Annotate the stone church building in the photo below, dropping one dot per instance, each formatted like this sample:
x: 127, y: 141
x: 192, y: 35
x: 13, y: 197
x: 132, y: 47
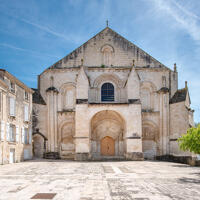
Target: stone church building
x: 109, y: 99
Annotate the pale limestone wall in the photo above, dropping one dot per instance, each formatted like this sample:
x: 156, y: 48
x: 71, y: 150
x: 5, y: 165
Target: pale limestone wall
x: 151, y: 134
x: 179, y: 123
x: 98, y: 76
x: 148, y: 78
x: 126, y: 111
x: 120, y: 52
x: 108, y: 58
x: 40, y: 113
x: 61, y: 77
x: 66, y: 133
x: 21, y: 151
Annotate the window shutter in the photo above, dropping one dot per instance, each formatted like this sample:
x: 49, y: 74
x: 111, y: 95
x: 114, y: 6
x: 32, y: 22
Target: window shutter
x: 30, y: 136
x: 25, y: 113
x: 12, y: 107
x: 8, y: 132
x: 23, y: 135
x: 2, y: 130
x: 17, y: 133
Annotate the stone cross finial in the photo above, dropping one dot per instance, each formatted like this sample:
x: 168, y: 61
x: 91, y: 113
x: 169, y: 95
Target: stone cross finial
x: 81, y: 61
x: 174, y: 67
x: 106, y: 23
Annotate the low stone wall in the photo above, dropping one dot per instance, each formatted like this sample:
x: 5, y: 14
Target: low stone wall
x: 179, y: 159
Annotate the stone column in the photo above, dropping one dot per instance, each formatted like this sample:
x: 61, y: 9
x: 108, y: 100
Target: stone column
x: 56, y: 121
x: 52, y: 94
x: 164, y: 121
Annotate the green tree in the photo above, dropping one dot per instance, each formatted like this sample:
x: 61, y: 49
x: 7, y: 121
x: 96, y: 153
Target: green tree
x: 191, y: 140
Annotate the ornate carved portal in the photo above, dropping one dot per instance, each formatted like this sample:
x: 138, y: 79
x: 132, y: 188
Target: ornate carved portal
x: 107, y: 129
x: 107, y: 146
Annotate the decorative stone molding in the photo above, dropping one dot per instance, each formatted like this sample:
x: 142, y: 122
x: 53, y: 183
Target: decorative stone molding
x: 81, y: 101
x: 52, y: 89
x: 110, y: 78
x: 134, y: 101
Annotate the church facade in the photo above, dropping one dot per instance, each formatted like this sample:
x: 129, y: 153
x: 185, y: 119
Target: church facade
x: 109, y: 99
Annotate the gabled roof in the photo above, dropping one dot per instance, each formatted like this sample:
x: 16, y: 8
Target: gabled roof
x: 37, y: 98
x: 127, y: 45
x: 179, y: 96
x: 11, y: 77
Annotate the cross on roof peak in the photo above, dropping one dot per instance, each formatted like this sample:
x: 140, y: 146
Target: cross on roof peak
x: 106, y: 23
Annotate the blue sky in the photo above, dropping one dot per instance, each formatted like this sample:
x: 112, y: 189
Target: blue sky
x: 35, y: 34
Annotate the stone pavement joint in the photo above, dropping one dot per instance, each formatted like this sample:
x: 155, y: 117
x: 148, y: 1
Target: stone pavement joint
x: 72, y: 180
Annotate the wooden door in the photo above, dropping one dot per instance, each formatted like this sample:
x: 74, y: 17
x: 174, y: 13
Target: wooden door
x: 108, y: 146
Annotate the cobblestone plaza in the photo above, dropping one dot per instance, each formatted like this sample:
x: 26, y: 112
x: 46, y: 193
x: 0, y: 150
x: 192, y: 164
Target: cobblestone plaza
x: 70, y: 180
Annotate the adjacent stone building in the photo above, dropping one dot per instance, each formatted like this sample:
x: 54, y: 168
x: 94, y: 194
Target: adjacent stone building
x: 15, y: 119
x: 109, y: 99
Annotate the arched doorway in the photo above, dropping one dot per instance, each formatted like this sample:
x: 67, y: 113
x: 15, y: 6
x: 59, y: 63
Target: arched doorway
x: 150, y: 139
x: 39, y: 144
x: 107, y: 146
x: 107, y: 134
x: 67, y: 146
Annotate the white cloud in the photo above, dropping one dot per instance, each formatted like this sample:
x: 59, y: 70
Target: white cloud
x: 183, y: 18
x: 26, y: 50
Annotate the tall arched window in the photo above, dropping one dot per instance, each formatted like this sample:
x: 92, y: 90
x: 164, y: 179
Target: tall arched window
x: 107, y: 53
x: 107, y: 92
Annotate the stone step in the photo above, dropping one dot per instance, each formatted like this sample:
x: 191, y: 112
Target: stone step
x: 67, y: 156
x: 108, y: 158
x: 51, y: 155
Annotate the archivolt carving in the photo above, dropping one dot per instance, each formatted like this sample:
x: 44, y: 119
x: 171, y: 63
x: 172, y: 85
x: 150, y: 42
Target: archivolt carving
x: 67, y: 136
x: 66, y: 85
x: 150, y: 131
x: 149, y: 85
x: 147, y: 94
x: 107, y: 54
x: 107, y: 123
x: 108, y: 78
x: 107, y: 47
x: 67, y: 95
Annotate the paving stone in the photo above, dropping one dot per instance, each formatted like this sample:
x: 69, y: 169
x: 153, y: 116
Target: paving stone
x: 72, y: 180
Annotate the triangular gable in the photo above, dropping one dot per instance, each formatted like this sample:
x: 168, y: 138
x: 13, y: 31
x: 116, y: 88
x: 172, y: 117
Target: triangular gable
x: 124, y: 52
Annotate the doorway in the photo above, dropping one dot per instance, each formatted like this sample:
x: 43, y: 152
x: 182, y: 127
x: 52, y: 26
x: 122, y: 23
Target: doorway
x: 107, y: 146
x: 12, y: 156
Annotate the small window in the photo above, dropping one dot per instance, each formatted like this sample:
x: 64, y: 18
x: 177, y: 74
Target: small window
x: 12, y: 87
x: 107, y: 92
x: 164, y: 81
x: 26, y: 118
x: 26, y: 96
x: 12, y: 107
x: 25, y: 135
x: 12, y: 133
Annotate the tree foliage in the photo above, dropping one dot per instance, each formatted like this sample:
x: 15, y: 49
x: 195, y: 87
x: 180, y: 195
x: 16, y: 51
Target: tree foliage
x: 191, y: 140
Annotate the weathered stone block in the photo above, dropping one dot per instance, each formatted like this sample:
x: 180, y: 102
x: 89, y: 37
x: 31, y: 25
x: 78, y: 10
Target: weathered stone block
x: 134, y: 156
